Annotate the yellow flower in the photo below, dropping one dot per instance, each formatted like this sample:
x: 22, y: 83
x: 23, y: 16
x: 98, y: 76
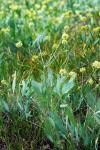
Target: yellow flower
x: 90, y: 81
x: 34, y: 58
x: 30, y: 24
x: 96, y: 64
x: 14, y: 75
x: 65, y: 36
x: 55, y: 46
x: 72, y: 73
x: 5, y: 30
x: 66, y: 27
x: 19, y: 44
x: 64, y: 42
x: 89, y: 15
x: 82, y: 69
x: 68, y: 13
x: 62, y: 72
x: 3, y: 82
x: 47, y: 38
x: 83, y: 19
x: 84, y: 27
x: 37, y: 6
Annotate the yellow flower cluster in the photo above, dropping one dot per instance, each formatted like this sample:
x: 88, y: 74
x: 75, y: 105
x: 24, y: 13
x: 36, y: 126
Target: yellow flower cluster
x: 47, y: 38
x: 55, y: 46
x: 14, y: 75
x: 84, y: 27
x: 62, y: 72
x: 82, y: 69
x: 72, y: 73
x: 90, y: 81
x: 3, y: 82
x: 19, y: 44
x: 83, y: 19
x: 64, y: 38
x: 5, y: 30
x: 96, y: 64
x: 66, y: 27
x: 30, y: 24
x: 34, y: 58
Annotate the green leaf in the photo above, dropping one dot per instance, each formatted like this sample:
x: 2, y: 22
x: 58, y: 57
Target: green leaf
x: 59, y: 124
x: 57, y: 88
x: 37, y: 86
x: 12, y: 24
x: 97, y: 118
x: 97, y: 41
x: 5, y: 105
x: 68, y: 86
x: 71, y: 116
x: 49, y: 130
x: 50, y: 77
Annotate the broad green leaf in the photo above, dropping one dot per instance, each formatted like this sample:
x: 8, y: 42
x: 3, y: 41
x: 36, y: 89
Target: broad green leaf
x: 59, y: 124
x: 57, y: 88
x: 49, y: 130
x: 5, y: 105
x: 68, y: 86
x: 71, y: 116
x: 37, y: 85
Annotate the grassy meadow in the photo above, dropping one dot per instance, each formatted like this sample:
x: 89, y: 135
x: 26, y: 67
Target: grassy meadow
x: 49, y: 75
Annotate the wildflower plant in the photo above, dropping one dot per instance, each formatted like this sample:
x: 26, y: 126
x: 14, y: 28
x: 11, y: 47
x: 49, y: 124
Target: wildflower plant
x: 50, y: 74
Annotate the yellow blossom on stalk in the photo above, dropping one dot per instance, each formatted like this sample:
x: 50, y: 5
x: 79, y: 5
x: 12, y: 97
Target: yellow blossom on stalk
x: 62, y: 72
x: 19, y: 44
x: 64, y: 42
x: 96, y: 64
x: 35, y: 58
x: 5, y: 30
x: 78, y: 12
x: 89, y: 15
x: 30, y: 24
x: 3, y: 82
x: 90, y: 81
x: 14, y: 75
x: 83, y: 19
x: 68, y: 13
x: 47, y: 38
x: 82, y: 69
x: 84, y: 27
x: 37, y: 6
x: 66, y: 27
x: 72, y: 73
x: 65, y: 36
x: 55, y: 46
